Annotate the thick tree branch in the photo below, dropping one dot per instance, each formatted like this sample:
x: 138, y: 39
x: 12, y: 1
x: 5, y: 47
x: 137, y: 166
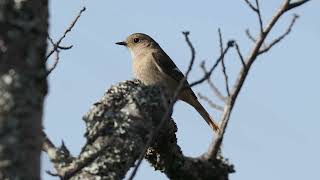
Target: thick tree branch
x: 118, y: 128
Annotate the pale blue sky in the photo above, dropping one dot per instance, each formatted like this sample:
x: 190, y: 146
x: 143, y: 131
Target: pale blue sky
x: 274, y: 128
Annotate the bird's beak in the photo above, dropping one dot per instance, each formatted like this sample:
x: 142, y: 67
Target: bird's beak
x: 122, y: 43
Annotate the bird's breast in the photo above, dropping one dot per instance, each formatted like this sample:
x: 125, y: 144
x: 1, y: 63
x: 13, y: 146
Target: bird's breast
x: 146, y: 71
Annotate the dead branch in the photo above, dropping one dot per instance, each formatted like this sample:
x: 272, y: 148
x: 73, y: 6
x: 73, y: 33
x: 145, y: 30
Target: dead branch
x: 240, y: 55
x: 257, y: 10
x: 226, y: 78
x: 57, y: 47
x: 247, y: 31
x: 215, y: 89
x: 278, y: 39
x: 209, y: 73
x: 215, y: 146
x: 211, y: 103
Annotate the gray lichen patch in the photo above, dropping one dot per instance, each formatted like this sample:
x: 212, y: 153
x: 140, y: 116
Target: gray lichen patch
x: 118, y: 125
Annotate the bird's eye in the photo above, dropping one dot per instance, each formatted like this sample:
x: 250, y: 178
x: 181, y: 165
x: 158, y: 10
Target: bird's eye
x: 136, y: 40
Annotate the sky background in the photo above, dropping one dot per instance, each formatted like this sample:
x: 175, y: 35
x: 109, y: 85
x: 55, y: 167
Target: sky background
x: 274, y: 128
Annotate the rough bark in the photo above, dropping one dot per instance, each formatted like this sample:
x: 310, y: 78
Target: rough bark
x: 23, y: 86
x: 166, y: 156
x: 118, y: 127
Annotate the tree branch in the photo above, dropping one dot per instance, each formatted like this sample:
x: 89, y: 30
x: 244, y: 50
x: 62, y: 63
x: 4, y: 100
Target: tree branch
x: 278, y: 39
x: 211, y: 103
x: 129, y: 113
x: 215, y: 146
x: 215, y: 90
x: 57, y: 47
x: 208, y: 74
x: 240, y: 55
x: 226, y: 78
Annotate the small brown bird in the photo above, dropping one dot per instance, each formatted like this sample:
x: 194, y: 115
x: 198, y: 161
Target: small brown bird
x: 153, y: 66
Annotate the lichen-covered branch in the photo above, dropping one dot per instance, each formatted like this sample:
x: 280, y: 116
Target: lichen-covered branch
x: 166, y: 156
x: 118, y: 128
x: 23, y: 86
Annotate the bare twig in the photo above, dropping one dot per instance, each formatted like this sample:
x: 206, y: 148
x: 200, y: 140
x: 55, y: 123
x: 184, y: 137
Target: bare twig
x: 211, y: 103
x: 256, y: 9
x: 169, y: 110
x: 215, y: 90
x: 277, y: 40
x: 215, y: 146
x: 55, y: 62
x: 251, y: 5
x: 240, y: 54
x: 57, y: 44
x: 250, y: 36
x: 259, y: 16
x: 208, y: 74
x: 226, y: 78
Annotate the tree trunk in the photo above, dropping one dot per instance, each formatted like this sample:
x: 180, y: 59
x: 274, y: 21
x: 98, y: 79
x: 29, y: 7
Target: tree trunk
x: 23, y: 86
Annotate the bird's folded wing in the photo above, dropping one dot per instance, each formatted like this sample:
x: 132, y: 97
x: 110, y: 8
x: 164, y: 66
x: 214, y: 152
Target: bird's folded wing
x: 167, y: 66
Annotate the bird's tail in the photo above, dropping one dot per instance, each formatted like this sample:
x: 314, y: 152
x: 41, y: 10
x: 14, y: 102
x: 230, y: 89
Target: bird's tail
x: 205, y: 115
x: 190, y: 98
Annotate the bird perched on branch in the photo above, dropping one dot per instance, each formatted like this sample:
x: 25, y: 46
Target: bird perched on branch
x: 153, y: 66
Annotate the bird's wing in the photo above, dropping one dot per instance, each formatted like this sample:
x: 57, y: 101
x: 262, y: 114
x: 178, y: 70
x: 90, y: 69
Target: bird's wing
x: 167, y: 66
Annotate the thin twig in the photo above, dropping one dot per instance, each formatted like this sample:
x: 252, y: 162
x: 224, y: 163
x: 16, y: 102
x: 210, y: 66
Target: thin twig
x: 256, y: 9
x: 259, y: 16
x: 251, y: 5
x: 169, y: 110
x: 277, y: 40
x: 57, y: 44
x: 208, y: 74
x: 226, y: 78
x: 55, y: 62
x: 250, y: 36
x: 211, y: 103
x: 240, y: 54
x: 215, y: 90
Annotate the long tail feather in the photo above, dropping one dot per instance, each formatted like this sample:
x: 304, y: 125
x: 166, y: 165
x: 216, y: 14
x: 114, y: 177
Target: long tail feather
x: 189, y: 97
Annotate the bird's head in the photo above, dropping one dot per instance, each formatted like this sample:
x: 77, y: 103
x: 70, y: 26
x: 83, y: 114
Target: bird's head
x: 138, y: 43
